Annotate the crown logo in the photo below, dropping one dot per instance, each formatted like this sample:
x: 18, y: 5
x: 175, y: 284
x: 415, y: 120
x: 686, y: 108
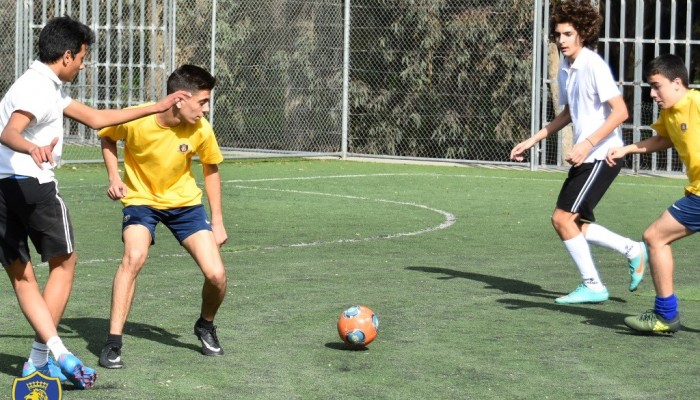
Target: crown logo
x: 37, y: 385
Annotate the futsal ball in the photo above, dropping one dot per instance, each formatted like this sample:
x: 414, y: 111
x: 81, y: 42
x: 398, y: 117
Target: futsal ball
x: 358, y: 326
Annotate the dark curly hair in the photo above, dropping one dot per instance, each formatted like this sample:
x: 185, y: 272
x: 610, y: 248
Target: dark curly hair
x: 582, y: 15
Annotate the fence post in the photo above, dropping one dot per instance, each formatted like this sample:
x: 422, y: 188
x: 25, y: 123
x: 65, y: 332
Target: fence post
x: 346, y: 81
x: 536, y: 99
x: 212, y: 62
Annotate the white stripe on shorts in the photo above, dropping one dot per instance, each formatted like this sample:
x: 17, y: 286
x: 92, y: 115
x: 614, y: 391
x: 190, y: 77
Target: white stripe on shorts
x: 66, y: 224
x: 598, y: 165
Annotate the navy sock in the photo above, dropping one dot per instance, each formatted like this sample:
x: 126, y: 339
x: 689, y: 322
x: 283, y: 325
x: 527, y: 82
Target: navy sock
x: 666, y: 307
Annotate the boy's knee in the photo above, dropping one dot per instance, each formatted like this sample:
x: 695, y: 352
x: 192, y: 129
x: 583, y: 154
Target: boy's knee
x: 134, y: 260
x: 217, y: 278
x: 649, y: 236
x: 559, y: 221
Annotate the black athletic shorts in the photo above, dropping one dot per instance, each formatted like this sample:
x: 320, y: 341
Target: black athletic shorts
x: 585, y: 186
x: 30, y: 210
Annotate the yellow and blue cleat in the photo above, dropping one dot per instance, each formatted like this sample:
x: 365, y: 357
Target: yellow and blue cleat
x: 651, y: 322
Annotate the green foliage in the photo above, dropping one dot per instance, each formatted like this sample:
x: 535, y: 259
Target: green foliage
x: 439, y: 78
x: 280, y: 63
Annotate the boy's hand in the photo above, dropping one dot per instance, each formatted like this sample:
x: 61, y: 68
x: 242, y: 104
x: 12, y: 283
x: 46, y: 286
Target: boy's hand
x: 578, y: 153
x: 116, y: 190
x: 170, y: 100
x: 519, y: 150
x: 613, y: 154
x: 43, y: 154
x: 220, y: 235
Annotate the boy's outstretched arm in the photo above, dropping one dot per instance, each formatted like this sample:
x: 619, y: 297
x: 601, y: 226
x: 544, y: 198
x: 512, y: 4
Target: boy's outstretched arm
x: 98, y: 119
x: 650, y: 145
x: 560, y: 121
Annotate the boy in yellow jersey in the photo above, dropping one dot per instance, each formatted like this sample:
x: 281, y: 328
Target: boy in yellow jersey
x: 159, y: 187
x: 677, y: 126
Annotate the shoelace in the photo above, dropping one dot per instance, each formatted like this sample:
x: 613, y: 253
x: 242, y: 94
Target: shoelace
x: 648, y: 315
x: 213, y: 333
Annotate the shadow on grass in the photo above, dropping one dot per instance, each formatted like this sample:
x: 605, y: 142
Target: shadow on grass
x: 94, y: 331
x: 11, y: 364
x: 343, y: 346
x: 505, y: 285
x: 592, y: 315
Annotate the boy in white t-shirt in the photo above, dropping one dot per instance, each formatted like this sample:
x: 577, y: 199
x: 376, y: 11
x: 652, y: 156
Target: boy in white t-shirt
x: 592, y: 102
x: 31, y: 139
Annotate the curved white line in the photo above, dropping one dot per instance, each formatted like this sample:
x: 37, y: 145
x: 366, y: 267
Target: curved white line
x: 450, y: 219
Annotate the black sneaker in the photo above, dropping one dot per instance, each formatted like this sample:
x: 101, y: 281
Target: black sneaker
x: 210, y: 343
x: 111, y: 357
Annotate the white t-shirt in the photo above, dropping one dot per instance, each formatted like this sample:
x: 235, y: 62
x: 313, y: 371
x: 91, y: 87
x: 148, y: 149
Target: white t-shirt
x: 586, y: 86
x: 39, y: 92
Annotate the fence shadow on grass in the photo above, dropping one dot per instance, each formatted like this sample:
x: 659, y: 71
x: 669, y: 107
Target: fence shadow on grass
x: 95, y: 330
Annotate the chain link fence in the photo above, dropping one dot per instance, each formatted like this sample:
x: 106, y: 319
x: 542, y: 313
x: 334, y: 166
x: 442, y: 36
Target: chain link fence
x: 458, y: 80
x: 430, y: 79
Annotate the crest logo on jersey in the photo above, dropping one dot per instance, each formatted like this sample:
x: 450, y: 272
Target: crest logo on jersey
x: 36, y: 386
x: 183, y: 148
x: 684, y: 127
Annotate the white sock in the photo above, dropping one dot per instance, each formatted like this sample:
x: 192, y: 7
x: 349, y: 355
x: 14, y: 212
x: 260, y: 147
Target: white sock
x: 581, y: 254
x: 601, y: 236
x: 39, y: 354
x: 56, y: 346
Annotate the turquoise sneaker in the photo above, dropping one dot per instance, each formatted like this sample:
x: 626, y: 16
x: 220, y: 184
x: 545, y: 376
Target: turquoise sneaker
x: 80, y: 375
x: 583, y: 294
x: 637, y: 266
x: 50, y: 369
x: 651, y: 322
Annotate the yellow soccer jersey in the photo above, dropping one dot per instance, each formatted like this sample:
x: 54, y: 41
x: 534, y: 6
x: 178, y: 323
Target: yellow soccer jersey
x: 681, y: 124
x: 158, y: 160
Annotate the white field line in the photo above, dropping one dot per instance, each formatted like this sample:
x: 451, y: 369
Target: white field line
x: 450, y: 219
x: 409, y: 174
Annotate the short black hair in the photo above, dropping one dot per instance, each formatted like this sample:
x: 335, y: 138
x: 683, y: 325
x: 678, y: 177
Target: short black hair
x: 670, y: 66
x: 190, y: 78
x: 63, y: 34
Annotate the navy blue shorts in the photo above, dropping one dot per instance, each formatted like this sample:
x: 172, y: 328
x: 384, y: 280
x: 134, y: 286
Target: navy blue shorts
x: 687, y: 212
x: 182, y: 221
